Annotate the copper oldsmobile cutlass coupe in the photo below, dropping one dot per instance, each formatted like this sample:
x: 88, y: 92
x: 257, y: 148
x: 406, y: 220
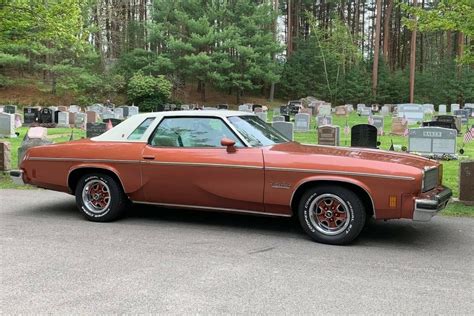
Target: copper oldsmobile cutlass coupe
x: 234, y: 162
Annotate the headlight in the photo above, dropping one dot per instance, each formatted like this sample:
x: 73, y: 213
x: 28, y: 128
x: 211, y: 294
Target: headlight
x: 430, y: 179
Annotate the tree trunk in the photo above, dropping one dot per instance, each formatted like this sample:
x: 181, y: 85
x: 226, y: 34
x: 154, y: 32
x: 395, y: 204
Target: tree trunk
x: 387, y: 30
x: 413, y: 60
x: 289, y: 32
x: 375, y: 66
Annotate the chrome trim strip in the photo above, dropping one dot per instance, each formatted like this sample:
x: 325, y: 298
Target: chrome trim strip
x: 83, y: 160
x: 201, y: 164
x: 361, y: 174
x: 211, y: 208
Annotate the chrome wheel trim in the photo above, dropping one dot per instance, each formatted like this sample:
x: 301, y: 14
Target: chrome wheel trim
x: 329, y: 214
x: 96, y: 196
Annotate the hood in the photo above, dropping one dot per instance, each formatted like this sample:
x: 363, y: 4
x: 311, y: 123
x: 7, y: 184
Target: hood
x: 356, y: 153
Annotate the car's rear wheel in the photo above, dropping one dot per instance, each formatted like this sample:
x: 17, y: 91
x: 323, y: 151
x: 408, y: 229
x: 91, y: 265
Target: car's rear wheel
x: 331, y: 214
x: 100, y: 198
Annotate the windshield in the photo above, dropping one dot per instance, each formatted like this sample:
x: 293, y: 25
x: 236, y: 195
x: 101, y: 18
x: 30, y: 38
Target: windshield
x: 256, y: 132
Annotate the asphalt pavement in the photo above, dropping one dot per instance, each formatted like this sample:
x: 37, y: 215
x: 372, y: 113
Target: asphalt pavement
x: 184, y: 262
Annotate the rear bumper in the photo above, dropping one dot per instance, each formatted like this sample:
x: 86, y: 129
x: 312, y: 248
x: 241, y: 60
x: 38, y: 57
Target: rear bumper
x: 17, y: 177
x: 426, y: 208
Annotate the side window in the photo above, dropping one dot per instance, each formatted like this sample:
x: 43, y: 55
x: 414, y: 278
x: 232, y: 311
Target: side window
x: 140, y: 130
x: 192, y: 132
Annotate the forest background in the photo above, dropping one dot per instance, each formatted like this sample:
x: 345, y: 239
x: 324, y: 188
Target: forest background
x: 150, y: 52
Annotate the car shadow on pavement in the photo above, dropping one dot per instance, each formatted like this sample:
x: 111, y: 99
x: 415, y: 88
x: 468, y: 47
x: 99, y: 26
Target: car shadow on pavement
x: 394, y: 233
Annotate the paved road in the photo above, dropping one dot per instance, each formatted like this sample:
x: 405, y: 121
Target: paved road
x: 177, y: 262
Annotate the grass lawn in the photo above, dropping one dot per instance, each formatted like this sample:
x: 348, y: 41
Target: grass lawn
x: 450, y: 168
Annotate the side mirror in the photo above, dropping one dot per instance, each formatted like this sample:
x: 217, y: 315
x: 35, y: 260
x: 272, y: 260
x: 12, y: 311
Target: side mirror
x: 229, y: 143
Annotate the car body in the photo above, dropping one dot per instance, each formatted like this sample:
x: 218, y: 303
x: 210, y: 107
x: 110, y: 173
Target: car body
x: 173, y: 159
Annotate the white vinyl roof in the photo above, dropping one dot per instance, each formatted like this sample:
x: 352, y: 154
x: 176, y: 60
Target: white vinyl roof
x: 121, y: 132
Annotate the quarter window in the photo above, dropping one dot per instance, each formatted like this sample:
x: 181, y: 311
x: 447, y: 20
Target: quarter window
x: 141, y: 129
x: 192, y: 132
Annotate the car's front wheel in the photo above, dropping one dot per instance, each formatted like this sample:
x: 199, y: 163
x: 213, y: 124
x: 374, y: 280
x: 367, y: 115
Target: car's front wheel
x: 100, y: 198
x: 331, y: 214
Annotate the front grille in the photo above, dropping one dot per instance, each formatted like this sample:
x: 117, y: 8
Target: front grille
x: 430, y: 180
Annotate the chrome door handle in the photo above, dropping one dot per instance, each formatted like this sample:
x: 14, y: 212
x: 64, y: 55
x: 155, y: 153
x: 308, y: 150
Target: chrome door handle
x: 149, y: 157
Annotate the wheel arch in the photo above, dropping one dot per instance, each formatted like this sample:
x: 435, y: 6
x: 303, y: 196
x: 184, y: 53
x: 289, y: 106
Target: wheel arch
x: 359, y: 188
x: 77, y: 172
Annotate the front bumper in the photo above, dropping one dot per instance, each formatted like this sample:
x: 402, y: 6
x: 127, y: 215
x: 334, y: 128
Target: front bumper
x: 426, y: 208
x: 17, y: 177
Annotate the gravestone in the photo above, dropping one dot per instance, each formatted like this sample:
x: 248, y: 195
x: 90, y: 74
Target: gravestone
x: 258, y: 110
x: 184, y: 107
x: 118, y: 113
x: 30, y: 115
x: 45, y: 116
x: 364, y: 135
x: 276, y: 111
x: 428, y: 109
x: 463, y: 114
x: 366, y: 111
x: 255, y: 107
x: 308, y: 111
x: 245, y: 108
x: 107, y: 114
x: 454, y: 107
x: 72, y: 118
x: 92, y: 116
x: 278, y: 118
x: 412, y: 112
x: 7, y: 125
x: 114, y: 121
x: 451, y: 119
x: 95, y: 129
x: 399, y: 126
x: 55, y: 116
x: 222, y: 107
x: 5, y: 156
x: 375, y: 108
x: 471, y: 107
x: 53, y: 108
x: 442, y: 109
x: 466, y: 182
x: 328, y: 135
x: 62, y: 108
x: 378, y: 122
x: 324, y: 120
x: 324, y: 109
x: 385, y: 111
x: 18, y: 122
x: 341, y: 110
x: 450, y: 125
x: 285, y: 128
x: 284, y: 110
x: 36, y: 136
x: 125, y: 110
x: 10, y: 109
x: 74, y: 108
x: 360, y: 107
x: 350, y: 108
x: 37, y: 132
x: 469, y: 111
x: 302, y: 121
x: 432, y: 140
x: 262, y: 116
x: 133, y: 110
x: 99, y: 108
x: 80, y: 120
x: 63, y: 119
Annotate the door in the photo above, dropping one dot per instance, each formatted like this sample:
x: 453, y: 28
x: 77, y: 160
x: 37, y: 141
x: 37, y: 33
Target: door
x: 185, y: 164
